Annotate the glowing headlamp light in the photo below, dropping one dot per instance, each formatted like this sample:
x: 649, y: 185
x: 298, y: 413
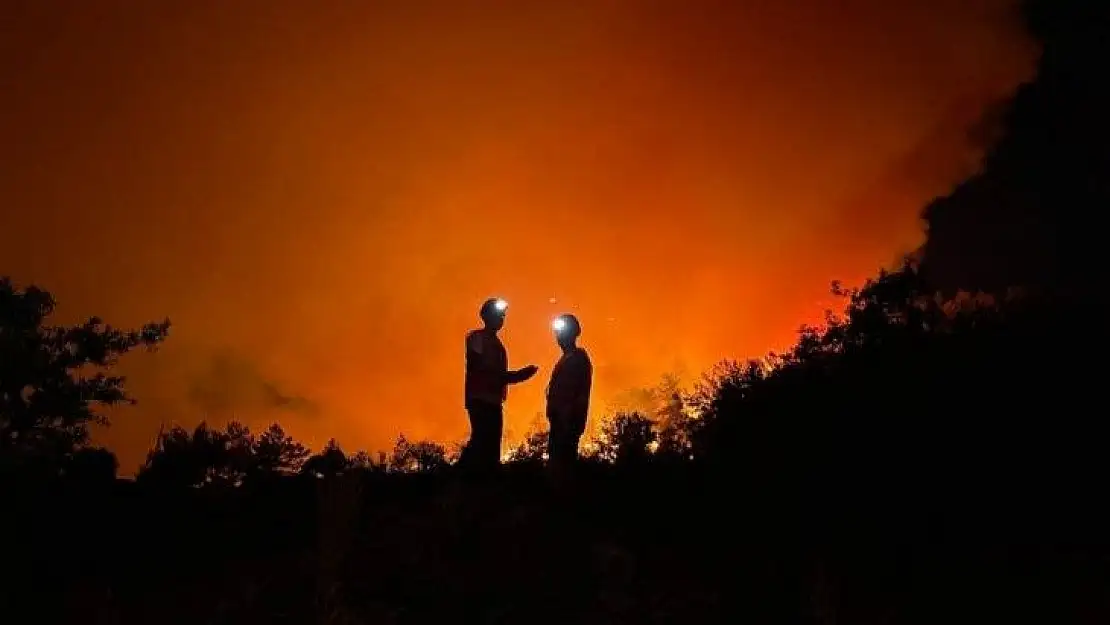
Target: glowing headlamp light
x: 500, y: 305
x: 559, y: 324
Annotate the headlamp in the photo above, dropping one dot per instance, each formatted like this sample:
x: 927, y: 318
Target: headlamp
x: 559, y: 324
x: 500, y: 305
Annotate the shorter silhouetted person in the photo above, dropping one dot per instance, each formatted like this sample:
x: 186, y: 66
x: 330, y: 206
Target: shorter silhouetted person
x: 568, y: 398
x: 487, y: 380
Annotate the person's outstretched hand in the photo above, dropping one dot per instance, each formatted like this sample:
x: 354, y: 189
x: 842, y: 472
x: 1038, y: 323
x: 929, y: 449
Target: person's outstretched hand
x: 529, y: 371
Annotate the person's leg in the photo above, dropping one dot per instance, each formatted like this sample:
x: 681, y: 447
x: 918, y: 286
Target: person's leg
x: 495, y: 421
x: 483, y: 451
x: 466, y: 457
x: 574, y: 439
x: 554, y: 442
x: 561, y: 452
x: 473, y: 454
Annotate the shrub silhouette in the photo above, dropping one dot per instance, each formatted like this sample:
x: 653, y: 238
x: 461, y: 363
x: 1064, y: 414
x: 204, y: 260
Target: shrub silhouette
x: 225, y: 457
x: 203, y: 457
x: 417, y: 457
x: 532, y: 450
x: 92, y: 466
x: 627, y: 439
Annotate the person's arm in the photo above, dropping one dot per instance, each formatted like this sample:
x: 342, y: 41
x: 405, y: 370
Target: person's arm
x: 583, y: 380
x: 580, y: 407
x: 476, y: 361
x: 520, y: 375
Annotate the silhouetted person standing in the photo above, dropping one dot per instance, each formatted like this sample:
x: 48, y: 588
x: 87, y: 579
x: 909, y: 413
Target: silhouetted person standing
x: 568, y: 397
x: 487, y: 380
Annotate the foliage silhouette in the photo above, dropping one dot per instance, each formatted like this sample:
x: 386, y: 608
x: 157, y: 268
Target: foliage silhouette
x: 275, y: 452
x: 362, y: 460
x: 417, y: 457
x: 52, y: 378
x: 92, y: 466
x: 233, y: 457
x: 627, y: 439
x: 205, y: 456
x: 328, y: 462
x: 531, y: 450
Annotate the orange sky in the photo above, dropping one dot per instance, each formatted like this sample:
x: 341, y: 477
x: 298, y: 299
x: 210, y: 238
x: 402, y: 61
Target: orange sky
x: 319, y: 194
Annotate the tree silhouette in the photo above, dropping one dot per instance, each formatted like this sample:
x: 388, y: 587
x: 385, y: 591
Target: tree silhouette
x: 52, y: 378
x: 418, y: 457
x: 329, y: 461
x: 92, y: 465
x: 531, y: 450
x: 205, y: 457
x: 627, y: 438
x: 362, y: 460
x: 672, y: 420
x: 275, y: 452
x: 903, y: 392
x: 665, y: 405
x: 239, y: 459
x: 175, y: 460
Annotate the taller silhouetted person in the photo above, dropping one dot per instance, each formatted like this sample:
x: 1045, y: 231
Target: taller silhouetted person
x: 487, y: 380
x: 568, y: 397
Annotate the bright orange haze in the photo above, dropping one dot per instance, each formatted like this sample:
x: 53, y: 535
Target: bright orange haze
x: 320, y: 194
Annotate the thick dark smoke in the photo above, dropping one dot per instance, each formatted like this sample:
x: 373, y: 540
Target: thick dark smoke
x: 231, y: 386
x: 1023, y: 220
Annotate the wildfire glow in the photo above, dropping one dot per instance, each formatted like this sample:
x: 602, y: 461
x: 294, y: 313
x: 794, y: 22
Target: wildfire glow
x: 327, y: 192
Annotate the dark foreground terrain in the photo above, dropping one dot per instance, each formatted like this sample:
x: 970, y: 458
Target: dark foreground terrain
x: 657, y: 544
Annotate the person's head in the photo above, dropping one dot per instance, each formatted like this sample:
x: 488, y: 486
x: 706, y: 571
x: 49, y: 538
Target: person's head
x: 492, y: 313
x: 567, y: 329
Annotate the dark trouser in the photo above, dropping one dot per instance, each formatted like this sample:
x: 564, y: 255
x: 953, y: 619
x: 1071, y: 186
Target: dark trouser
x: 483, y: 451
x: 562, y: 445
